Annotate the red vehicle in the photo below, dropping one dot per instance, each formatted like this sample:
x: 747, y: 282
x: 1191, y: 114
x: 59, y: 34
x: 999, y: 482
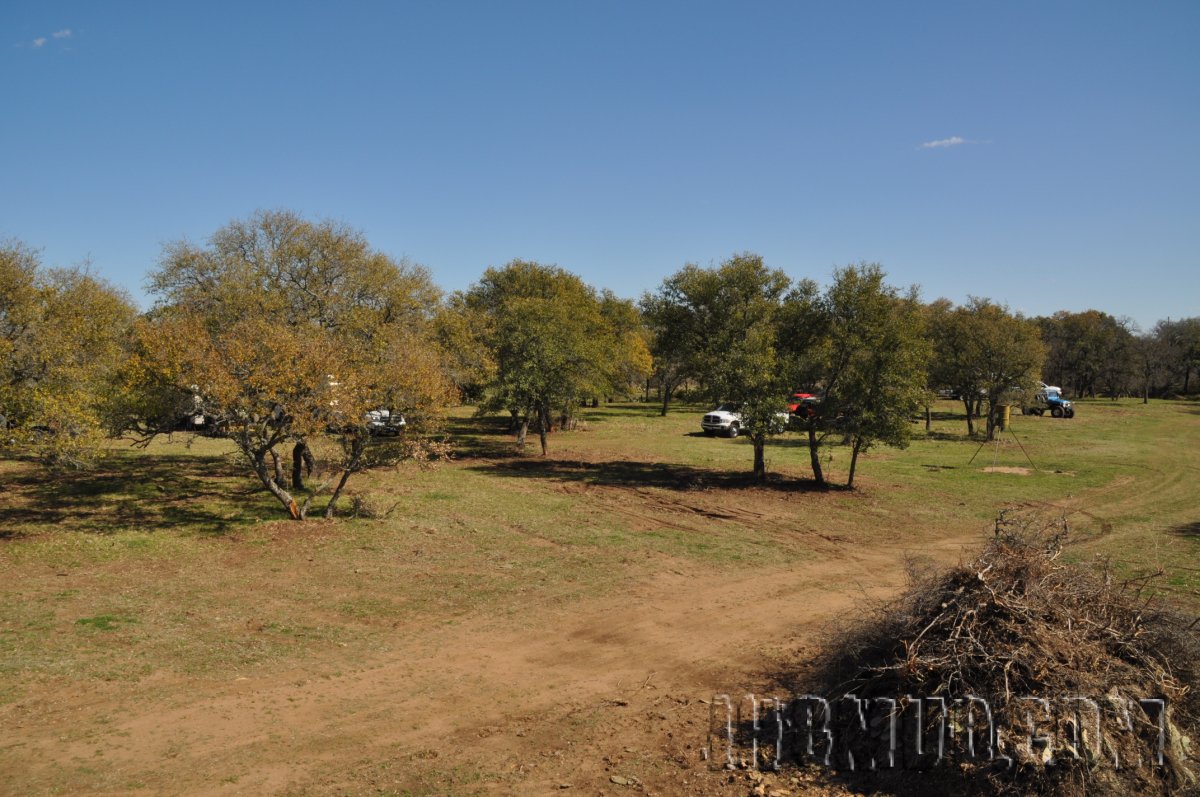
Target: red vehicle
x: 803, y: 405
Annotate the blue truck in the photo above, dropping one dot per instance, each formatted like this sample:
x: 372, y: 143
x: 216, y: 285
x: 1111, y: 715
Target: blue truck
x: 1049, y: 398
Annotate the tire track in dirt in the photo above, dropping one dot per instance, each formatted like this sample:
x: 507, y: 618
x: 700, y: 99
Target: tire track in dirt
x: 652, y: 505
x: 463, y: 694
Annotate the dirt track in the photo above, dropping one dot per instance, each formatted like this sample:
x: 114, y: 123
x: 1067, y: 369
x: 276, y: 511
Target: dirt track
x: 591, y: 690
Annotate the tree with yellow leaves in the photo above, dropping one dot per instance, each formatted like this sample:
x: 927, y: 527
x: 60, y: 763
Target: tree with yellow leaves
x: 63, y: 334
x: 283, y: 330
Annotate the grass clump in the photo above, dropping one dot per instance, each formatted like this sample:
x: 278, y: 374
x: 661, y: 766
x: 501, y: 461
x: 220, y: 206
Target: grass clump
x: 104, y: 622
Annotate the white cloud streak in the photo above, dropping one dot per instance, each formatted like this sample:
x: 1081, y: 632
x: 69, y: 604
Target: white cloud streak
x: 953, y: 141
x: 42, y: 41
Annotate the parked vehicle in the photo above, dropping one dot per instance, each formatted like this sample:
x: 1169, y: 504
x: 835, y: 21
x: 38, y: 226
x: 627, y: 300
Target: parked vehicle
x: 1050, y: 397
x: 727, y: 419
x: 953, y: 394
x: 385, y: 423
x: 803, y: 405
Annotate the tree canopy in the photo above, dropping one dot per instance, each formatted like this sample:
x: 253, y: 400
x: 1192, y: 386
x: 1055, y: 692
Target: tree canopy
x: 984, y: 352
x: 63, y: 334
x: 552, y: 342
x: 737, y: 354
x: 861, y: 345
x: 281, y: 330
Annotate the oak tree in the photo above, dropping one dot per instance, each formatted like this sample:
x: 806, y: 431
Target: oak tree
x: 63, y: 337
x: 553, y: 342
x: 283, y: 330
x: 733, y: 333
x: 861, y: 343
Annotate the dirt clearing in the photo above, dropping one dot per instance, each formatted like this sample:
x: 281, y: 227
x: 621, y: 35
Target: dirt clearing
x: 515, y: 625
x: 611, y: 686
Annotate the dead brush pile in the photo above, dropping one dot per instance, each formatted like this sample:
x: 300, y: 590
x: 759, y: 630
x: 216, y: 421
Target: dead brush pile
x: 1019, y: 673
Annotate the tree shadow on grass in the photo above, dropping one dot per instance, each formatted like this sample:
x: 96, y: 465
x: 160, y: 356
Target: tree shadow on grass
x: 622, y: 473
x: 490, y: 436
x: 959, y: 437
x: 482, y: 437
x: 134, y: 491
x: 635, y: 409
x: 941, y: 415
x: 1189, y: 530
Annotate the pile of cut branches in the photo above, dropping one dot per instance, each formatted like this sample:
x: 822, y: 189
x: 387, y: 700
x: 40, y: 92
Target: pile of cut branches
x: 1087, y: 680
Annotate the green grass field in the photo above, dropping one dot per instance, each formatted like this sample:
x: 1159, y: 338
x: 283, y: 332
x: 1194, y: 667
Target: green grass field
x: 178, y: 545
x: 168, y: 566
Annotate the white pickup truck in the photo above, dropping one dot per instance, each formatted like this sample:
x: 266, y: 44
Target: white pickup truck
x: 726, y: 419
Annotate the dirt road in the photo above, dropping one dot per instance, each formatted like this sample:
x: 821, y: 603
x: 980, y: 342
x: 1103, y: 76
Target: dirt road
x: 580, y: 694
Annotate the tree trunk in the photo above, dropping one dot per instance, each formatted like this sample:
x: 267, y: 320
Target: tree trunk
x: 760, y: 465
x: 356, y: 451
x: 853, y: 462
x: 515, y: 422
x: 278, y: 463
x: 928, y: 419
x: 302, y: 460
x: 970, y: 419
x: 991, y: 422
x: 543, y: 427
x: 666, y: 396
x: 337, y: 493
x: 814, y: 452
x: 259, y: 462
x: 522, y: 430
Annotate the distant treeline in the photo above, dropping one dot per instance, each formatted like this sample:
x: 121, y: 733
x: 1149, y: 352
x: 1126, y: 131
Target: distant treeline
x: 1095, y: 354
x: 279, y: 330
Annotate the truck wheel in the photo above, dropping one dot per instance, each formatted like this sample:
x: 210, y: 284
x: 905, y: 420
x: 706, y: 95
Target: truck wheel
x: 1069, y: 413
x: 1057, y: 412
x: 733, y: 430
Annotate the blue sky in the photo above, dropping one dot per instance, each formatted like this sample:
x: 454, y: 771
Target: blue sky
x: 623, y: 139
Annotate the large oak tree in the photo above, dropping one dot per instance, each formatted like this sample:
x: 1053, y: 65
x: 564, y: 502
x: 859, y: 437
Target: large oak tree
x: 281, y: 330
x: 861, y: 344
x: 552, y: 342
x: 721, y: 324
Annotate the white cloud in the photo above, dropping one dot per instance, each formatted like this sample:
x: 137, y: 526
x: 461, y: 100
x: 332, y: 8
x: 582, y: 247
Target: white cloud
x: 39, y: 41
x: 65, y: 33
x: 953, y: 141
